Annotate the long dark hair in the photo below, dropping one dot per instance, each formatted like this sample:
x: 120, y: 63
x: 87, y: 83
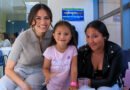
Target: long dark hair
x: 69, y: 26
x: 34, y: 11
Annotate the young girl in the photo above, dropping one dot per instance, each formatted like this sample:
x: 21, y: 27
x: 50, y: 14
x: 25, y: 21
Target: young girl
x: 60, y: 59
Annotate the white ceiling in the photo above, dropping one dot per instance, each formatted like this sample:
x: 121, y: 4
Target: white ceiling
x: 16, y: 9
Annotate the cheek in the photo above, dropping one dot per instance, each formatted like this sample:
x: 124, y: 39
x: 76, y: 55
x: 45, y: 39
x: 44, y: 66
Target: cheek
x: 49, y: 22
x: 33, y: 22
x: 88, y: 40
x: 100, y: 42
x: 69, y: 38
x: 54, y: 36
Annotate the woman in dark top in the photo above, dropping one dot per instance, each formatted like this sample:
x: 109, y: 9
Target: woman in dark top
x: 100, y: 60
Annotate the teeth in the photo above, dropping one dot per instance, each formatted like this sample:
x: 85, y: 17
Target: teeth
x: 42, y: 26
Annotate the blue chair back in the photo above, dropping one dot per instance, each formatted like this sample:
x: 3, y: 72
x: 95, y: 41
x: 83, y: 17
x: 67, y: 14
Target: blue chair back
x: 2, y: 61
x: 126, y: 59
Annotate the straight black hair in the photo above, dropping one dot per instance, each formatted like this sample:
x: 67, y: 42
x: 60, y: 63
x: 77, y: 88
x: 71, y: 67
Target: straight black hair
x: 100, y: 27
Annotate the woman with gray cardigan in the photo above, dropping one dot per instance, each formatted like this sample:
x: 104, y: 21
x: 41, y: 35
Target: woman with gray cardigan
x: 23, y: 70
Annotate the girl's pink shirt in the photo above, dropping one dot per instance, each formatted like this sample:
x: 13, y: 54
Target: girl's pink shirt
x: 60, y: 67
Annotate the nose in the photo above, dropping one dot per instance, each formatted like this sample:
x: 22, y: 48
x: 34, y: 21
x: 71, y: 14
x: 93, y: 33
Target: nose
x: 62, y: 36
x: 42, y: 21
x: 90, y: 40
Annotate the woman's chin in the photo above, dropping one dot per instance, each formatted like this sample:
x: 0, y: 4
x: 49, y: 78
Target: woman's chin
x: 93, y: 48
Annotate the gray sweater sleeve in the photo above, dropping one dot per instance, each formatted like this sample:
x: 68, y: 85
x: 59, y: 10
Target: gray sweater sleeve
x: 16, y: 50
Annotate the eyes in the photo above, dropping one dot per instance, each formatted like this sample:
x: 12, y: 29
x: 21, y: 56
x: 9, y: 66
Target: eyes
x: 65, y: 34
x: 38, y: 18
x: 92, y: 36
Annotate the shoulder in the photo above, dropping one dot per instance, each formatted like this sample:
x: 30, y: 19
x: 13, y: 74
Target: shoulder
x: 112, y: 48
x: 25, y: 34
x: 84, y: 51
x: 50, y: 48
x: 49, y: 51
x: 72, y: 47
x: 84, y: 48
x: 6, y: 40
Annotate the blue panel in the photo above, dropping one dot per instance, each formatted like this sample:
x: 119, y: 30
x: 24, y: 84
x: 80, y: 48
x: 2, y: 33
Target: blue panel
x: 73, y: 14
x: 126, y: 25
x: 16, y: 26
x: 96, y: 9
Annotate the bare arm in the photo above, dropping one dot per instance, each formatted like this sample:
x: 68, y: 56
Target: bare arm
x: 46, y: 69
x: 9, y: 71
x: 74, y: 72
x: 74, y: 69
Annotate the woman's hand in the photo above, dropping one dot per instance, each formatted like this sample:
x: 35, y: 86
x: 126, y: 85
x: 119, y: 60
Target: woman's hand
x: 73, y: 88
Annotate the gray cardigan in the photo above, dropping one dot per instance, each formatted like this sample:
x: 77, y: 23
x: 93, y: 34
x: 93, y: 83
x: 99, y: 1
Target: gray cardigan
x: 26, y: 50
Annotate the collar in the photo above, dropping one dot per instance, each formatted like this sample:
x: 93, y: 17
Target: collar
x: 32, y: 35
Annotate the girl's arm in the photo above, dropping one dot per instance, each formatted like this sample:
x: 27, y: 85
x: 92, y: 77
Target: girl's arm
x: 46, y: 69
x: 9, y: 71
x: 74, y: 70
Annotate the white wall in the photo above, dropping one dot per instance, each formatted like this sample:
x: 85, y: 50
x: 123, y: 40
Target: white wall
x: 57, y: 5
x: 114, y: 29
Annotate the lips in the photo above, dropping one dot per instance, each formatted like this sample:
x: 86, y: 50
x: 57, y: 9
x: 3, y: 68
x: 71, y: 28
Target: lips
x: 92, y: 45
x: 62, y: 40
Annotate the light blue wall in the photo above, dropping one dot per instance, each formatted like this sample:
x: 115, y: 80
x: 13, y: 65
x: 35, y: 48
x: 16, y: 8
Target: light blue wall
x: 96, y: 9
x: 126, y: 26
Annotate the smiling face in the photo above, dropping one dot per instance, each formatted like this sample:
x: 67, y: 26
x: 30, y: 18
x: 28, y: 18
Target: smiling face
x: 94, y: 39
x: 62, y: 36
x: 42, y: 21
